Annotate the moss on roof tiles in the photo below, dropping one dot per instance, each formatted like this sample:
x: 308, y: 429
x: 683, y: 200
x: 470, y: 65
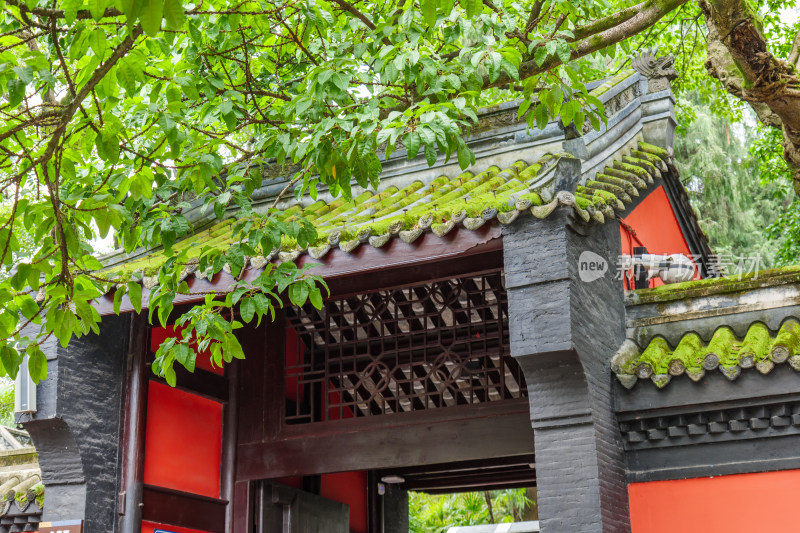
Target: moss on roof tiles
x: 469, y: 200
x: 613, y: 82
x: 759, y: 348
x: 708, y: 286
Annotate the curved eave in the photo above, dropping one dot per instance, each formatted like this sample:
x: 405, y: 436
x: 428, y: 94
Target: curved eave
x: 338, y: 264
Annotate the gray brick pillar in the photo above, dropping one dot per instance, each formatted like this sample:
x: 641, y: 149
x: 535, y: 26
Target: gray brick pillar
x: 76, y: 428
x: 563, y: 333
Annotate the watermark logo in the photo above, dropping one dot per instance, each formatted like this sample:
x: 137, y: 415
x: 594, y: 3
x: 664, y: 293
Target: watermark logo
x: 591, y: 266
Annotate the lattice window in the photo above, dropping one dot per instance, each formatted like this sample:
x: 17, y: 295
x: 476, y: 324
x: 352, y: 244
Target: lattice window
x: 427, y: 346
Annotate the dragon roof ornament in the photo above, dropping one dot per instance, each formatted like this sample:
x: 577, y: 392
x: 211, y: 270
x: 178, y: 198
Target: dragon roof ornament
x: 659, y: 71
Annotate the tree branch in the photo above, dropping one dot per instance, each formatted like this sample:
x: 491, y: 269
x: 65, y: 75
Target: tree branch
x: 794, y: 55
x: 648, y: 14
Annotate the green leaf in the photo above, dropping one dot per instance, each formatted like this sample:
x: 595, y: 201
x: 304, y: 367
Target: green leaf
x: 151, y: 15
x: 230, y: 121
x: 97, y: 8
x: 563, y: 51
x: 430, y: 154
x: 540, y: 55
x: 28, y: 307
x: 185, y: 355
x: 174, y: 14
x: 412, y: 141
x: 37, y: 363
x: 118, y: 294
x: 71, y: 10
x: 429, y: 9
x: 232, y: 347
x: 567, y: 112
x: 11, y: 360
x: 16, y: 92
x: 315, y: 297
x: 298, y: 293
x: 523, y: 107
x: 247, y: 308
x: 98, y: 41
x: 472, y: 7
x: 135, y: 295
x: 465, y: 156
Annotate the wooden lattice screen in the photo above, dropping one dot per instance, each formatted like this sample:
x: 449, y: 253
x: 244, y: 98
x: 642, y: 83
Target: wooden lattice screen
x: 427, y: 346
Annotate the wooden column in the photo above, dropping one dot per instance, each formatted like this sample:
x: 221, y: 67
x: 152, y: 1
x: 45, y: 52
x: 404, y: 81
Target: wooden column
x: 229, y: 430
x: 133, y: 437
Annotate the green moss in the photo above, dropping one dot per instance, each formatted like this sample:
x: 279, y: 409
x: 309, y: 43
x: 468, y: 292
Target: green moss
x: 688, y: 352
x: 656, y: 355
x: 533, y: 197
x: 631, y: 177
x: 595, y: 187
x: 637, y: 171
x: 691, y: 289
x: 653, y: 149
x: 723, y: 346
x: 788, y: 337
x: 625, y: 185
x: 582, y: 200
x: 613, y: 82
x: 653, y: 159
x: 642, y: 163
x: 38, y: 491
x: 756, y: 343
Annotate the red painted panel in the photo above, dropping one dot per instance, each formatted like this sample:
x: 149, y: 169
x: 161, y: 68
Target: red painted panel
x: 203, y: 361
x: 655, y: 227
x: 349, y: 488
x: 150, y: 527
x: 745, y: 503
x: 183, y: 441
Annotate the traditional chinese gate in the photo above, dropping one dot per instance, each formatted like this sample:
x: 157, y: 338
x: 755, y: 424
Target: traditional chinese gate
x: 409, y: 381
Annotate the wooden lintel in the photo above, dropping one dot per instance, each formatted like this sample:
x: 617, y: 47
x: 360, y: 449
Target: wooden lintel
x: 182, y: 509
x: 451, y: 434
x: 200, y: 382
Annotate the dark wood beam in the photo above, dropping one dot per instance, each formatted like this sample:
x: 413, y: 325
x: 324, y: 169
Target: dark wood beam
x: 518, y: 461
x: 183, y: 509
x: 133, y: 433
x: 244, y: 507
x: 473, y: 482
x: 450, y: 434
x: 480, y: 488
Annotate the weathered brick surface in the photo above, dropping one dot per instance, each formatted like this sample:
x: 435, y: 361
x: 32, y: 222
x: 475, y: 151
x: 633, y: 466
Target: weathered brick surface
x: 563, y: 332
x: 77, y: 427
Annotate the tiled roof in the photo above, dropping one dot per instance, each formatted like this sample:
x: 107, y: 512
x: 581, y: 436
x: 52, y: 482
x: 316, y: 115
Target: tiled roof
x: 469, y: 200
x: 21, y: 489
x: 760, y: 348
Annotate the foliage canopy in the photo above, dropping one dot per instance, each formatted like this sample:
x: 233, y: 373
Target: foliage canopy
x: 117, y: 112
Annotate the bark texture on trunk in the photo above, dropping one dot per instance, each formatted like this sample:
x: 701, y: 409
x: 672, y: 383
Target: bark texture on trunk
x: 739, y: 58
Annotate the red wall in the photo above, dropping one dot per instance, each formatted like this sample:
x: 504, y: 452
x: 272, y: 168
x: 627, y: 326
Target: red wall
x: 349, y: 488
x: 745, y: 503
x: 655, y: 227
x: 183, y: 441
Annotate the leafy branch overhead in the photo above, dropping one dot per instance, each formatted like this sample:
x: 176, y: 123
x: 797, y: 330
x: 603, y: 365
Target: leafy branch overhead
x: 117, y: 113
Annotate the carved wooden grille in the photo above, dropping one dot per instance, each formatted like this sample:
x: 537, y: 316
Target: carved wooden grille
x: 427, y: 346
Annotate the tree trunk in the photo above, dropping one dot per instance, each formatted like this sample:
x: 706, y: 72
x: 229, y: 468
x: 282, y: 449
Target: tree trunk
x: 738, y: 57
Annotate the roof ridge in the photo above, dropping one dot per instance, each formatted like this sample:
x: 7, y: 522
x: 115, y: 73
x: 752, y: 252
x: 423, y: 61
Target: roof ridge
x: 443, y: 204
